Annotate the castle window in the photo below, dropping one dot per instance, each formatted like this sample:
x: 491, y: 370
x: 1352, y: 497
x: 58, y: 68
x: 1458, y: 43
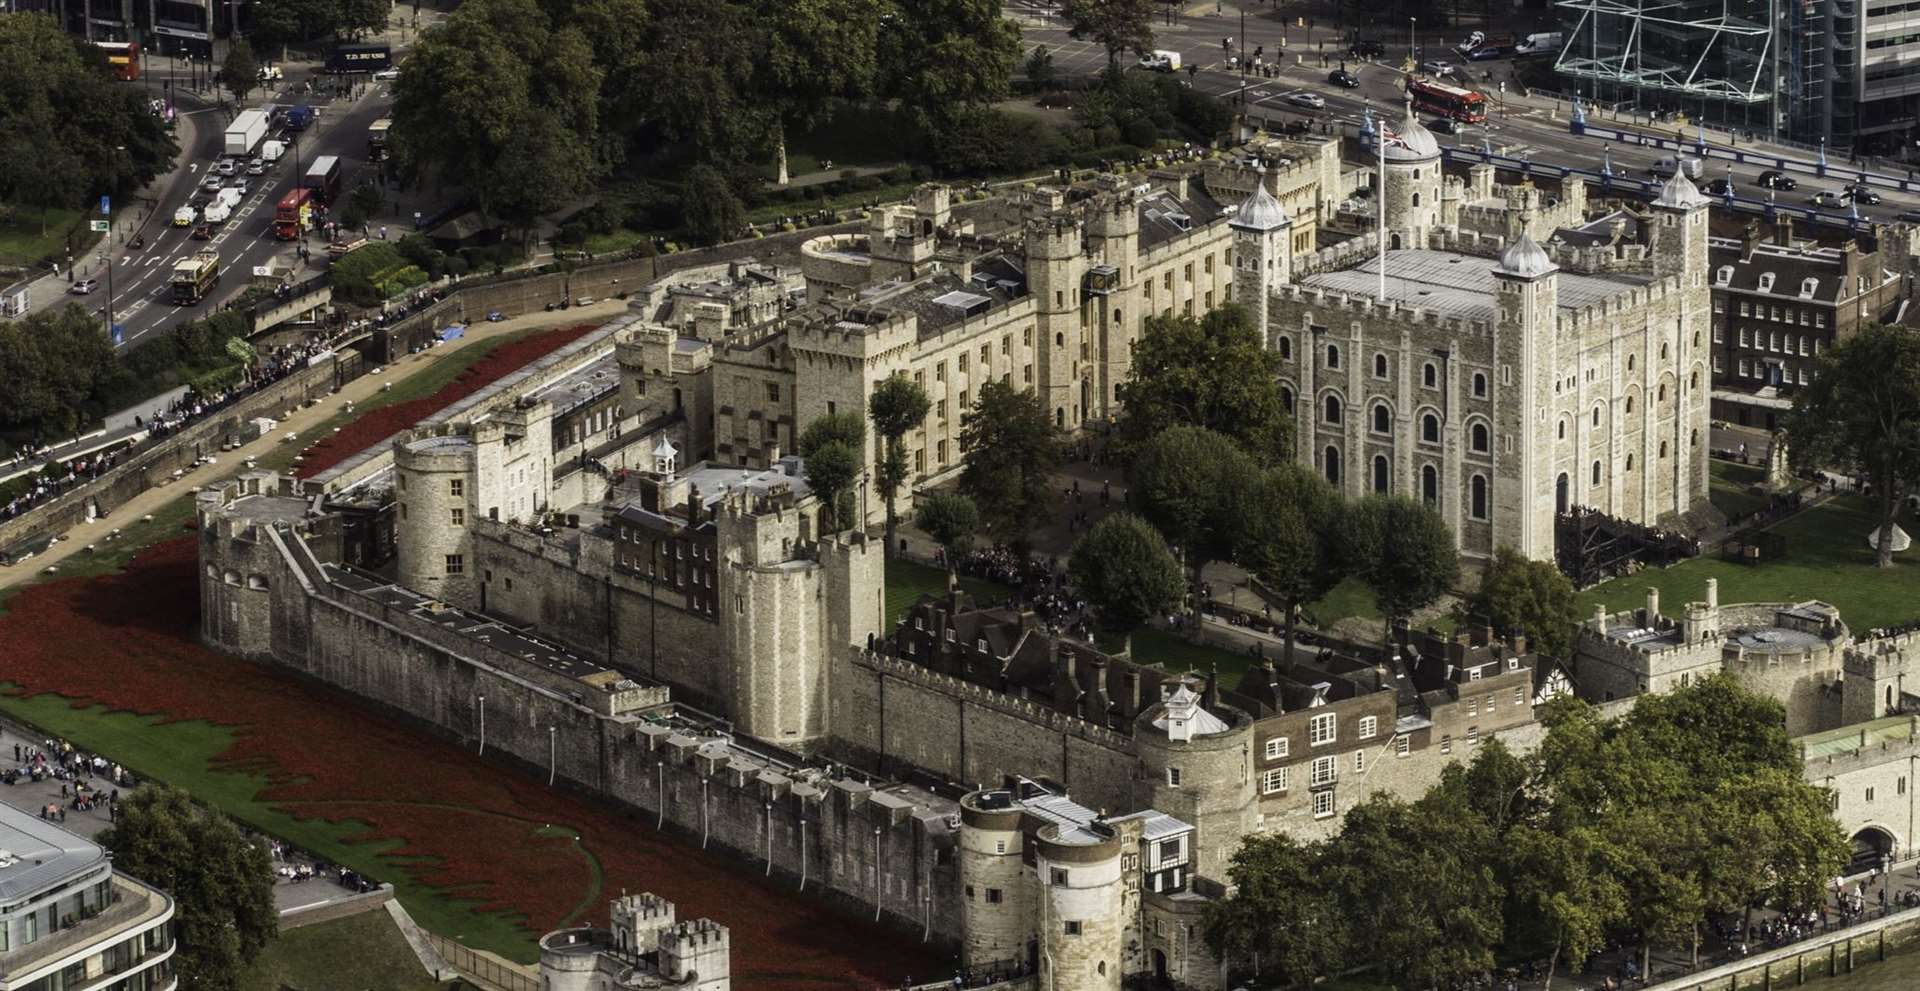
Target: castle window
x: 458, y: 516
x: 1693, y: 439
x: 1331, y: 463
x: 993, y: 894
x: 1430, y: 376
x: 1173, y: 777
x: 1416, y: 199
x: 456, y: 564
x: 1332, y: 411
x: 1430, y: 428
x: 1403, y: 745
x: 1286, y: 348
x: 1059, y: 339
x: 1596, y: 416
x: 1333, y: 356
x: 1693, y: 380
x: 1479, y: 385
x: 1379, y: 366
x: 1276, y: 747
x: 1072, y: 927
x: 940, y: 410
x: 1629, y: 404
x: 1629, y: 362
x: 1430, y: 485
x: 1477, y: 497
x: 1629, y: 462
x: 1359, y: 762
x: 1324, y: 772
x: 456, y: 486
x: 1058, y: 877
x: 1596, y: 473
x: 1723, y: 275
x: 1382, y: 419
x: 1380, y: 473
x: 1562, y: 429
x: 1519, y: 695
x: 1286, y: 398
x: 1663, y: 449
x: 1481, y: 441
x: 1869, y: 794
x: 1274, y: 781
x: 1369, y: 725
x: 1322, y: 729
x: 1322, y: 804
x: 1446, y: 743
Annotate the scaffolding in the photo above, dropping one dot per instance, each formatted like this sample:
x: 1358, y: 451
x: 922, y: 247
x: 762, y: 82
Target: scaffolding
x: 1707, y: 55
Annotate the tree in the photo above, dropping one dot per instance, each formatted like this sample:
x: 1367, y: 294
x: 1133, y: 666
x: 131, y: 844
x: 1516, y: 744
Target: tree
x: 713, y: 212
x: 368, y: 197
x: 1012, y: 450
x: 71, y: 131
x: 1287, y: 539
x: 1562, y: 893
x: 1123, y: 567
x: 1519, y: 593
x: 898, y: 405
x: 1862, y: 415
x: 1118, y: 25
x: 52, y: 362
x: 221, y: 883
x: 1188, y: 482
x: 1405, y: 554
x: 950, y: 519
x: 1281, y: 912
x: 1214, y: 371
x: 943, y: 59
x: 707, y: 50
x: 814, y: 56
x: 831, y: 447
x: 240, y: 73
x: 1040, y: 71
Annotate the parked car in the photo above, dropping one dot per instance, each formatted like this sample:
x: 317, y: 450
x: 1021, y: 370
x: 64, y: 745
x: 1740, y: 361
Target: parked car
x: 256, y: 167
x: 1771, y: 179
x: 1343, y: 79
x: 1311, y: 100
x: 1720, y: 187
x: 1826, y: 199
x: 1437, y: 67
x: 1443, y: 125
x: 83, y: 287
x: 240, y: 183
x: 212, y: 182
x: 1862, y: 194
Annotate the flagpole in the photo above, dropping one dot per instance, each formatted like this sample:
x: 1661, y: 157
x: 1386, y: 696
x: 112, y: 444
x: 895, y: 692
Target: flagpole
x: 1380, y: 146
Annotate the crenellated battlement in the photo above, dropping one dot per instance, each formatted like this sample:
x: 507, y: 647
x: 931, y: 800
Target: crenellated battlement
x: 1376, y: 313
x: 1343, y: 255
x: 859, y: 333
x: 980, y: 695
x: 1882, y: 656
x: 1627, y: 303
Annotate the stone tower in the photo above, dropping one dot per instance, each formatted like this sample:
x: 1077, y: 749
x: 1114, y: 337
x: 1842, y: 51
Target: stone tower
x: 1081, y: 924
x: 838, y: 363
x: 696, y: 954
x: 1529, y: 486
x: 1096, y: 355
x: 1678, y: 356
x: 638, y: 920
x: 1875, y: 676
x: 996, y: 911
x: 1197, y: 766
x: 1056, y: 268
x: 1413, y: 182
x: 433, y: 472
x: 1262, y: 251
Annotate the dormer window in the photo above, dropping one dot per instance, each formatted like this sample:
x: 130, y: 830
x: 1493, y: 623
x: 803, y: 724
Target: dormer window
x: 1766, y: 282
x: 980, y: 645
x: 1723, y: 275
x: 949, y: 636
x: 1808, y: 287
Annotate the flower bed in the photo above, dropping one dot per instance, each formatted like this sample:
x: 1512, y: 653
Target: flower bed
x: 377, y: 425
x: 465, y: 826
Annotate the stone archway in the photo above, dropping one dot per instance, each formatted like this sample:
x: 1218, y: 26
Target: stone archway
x: 1872, y: 847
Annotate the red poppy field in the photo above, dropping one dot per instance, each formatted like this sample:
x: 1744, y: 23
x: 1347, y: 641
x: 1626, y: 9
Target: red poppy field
x: 442, y: 818
x: 377, y: 425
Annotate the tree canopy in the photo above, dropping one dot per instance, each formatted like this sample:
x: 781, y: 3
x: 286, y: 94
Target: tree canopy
x: 832, y: 447
x: 221, y: 882
x: 1213, y: 371
x: 1288, y: 538
x: 1123, y: 567
x: 1862, y: 415
x: 1012, y: 449
x: 1189, y: 482
x: 1517, y: 592
x: 950, y: 519
x: 1116, y: 25
x: 898, y: 405
x: 1402, y: 550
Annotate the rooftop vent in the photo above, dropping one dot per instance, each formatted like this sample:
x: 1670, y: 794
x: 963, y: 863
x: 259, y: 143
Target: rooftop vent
x: 965, y: 303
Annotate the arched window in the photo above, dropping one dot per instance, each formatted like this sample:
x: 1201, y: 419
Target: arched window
x: 1693, y: 440
x: 1380, y: 474
x: 1430, y: 429
x: 1596, y: 473
x: 1629, y: 404
x: 1430, y: 376
x: 1331, y: 462
x: 1332, y: 413
x: 1693, y: 380
x: 1059, y: 339
x: 1477, y: 497
x: 1380, y: 366
x: 1596, y: 416
x: 1059, y: 416
x: 1629, y: 462
x: 1479, y: 385
x: 1416, y: 199
x: 1430, y: 485
x: 1333, y: 356
x: 1663, y: 351
x: 1482, y: 439
x: 1663, y: 449
x: 1286, y: 348
x: 1382, y: 419
x: 1286, y: 397
x: 1629, y: 362
x: 1660, y: 393
x: 1563, y: 429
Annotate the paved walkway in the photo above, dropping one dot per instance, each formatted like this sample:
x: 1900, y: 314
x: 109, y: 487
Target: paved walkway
x: 229, y: 463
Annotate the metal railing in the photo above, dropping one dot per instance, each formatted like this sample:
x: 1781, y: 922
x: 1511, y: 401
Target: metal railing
x: 480, y: 968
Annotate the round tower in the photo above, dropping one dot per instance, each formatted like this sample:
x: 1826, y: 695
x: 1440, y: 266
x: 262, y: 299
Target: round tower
x: 996, y: 908
x: 1197, y: 767
x: 433, y: 474
x: 1082, y: 923
x: 1412, y: 182
x: 569, y: 958
x: 1262, y: 250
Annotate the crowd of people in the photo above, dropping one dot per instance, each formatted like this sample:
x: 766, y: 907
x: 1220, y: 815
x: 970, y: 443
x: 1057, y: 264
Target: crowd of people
x: 77, y: 771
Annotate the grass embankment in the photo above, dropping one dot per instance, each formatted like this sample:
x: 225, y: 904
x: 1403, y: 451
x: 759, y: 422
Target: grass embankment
x: 351, y: 954
x: 1827, y: 557
x: 1729, y: 487
x: 29, y: 234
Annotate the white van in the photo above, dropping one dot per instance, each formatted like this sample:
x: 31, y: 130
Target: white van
x: 228, y: 197
x: 217, y: 212
x: 186, y: 216
x: 1664, y: 168
x: 1161, y: 61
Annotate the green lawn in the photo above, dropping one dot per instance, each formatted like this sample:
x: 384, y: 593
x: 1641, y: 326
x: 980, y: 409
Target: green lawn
x: 182, y: 754
x: 1351, y: 599
x: 907, y: 581
x: 848, y: 201
x: 1827, y: 558
x: 1728, y: 487
x: 23, y: 244
x: 1177, y: 656
x: 351, y: 954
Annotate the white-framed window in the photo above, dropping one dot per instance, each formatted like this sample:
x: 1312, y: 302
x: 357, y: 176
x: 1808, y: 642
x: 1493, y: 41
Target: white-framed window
x: 1473, y: 736
x: 1369, y: 725
x: 1473, y: 707
x: 1322, y: 804
x: 1276, y: 747
x: 1519, y: 695
x: 1320, y: 730
x: 1173, y: 776
x: 1359, y: 762
x: 1323, y: 772
x: 1403, y: 745
x: 1274, y: 781
x: 1746, y: 368
x: 1446, y: 743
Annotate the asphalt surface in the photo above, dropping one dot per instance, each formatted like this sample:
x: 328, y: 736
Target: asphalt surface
x: 1527, y: 127
x: 142, y: 300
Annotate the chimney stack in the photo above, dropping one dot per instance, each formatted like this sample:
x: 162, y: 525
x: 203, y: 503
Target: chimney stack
x: 1713, y: 593
x: 1653, y: 608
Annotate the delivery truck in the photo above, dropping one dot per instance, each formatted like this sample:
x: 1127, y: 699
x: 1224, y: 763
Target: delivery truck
x: 244, y: 134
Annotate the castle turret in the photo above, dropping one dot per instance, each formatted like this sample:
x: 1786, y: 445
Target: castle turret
x: 996, y: 908
x: 1262, y: 251
x: 1055, y: 270
x: 697, y: 955
x: 1413, y: 182
x: 1196, y: 765
x: 1526, y: 298
x: 773, y: 631
x: 434, y: 481
x: 638, y: 920
x: 1080, y: 918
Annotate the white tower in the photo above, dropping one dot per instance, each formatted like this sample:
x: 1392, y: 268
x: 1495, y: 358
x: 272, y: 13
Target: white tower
x: 1412, y: 183
x: 1262, y: 250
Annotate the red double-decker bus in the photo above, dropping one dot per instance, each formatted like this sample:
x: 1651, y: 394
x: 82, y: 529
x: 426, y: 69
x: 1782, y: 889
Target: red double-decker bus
x: 123, y: 57
x: 294, y: 214
x: 1463, y: 105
